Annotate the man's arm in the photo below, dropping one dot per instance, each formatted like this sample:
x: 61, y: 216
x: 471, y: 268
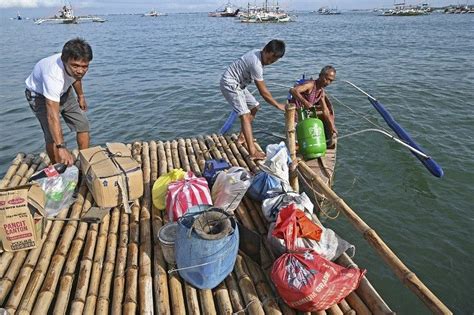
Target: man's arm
x: 54, y: 124
x: 302, y: 88
x: 327, y: 113
x: 267, y: 96
x: 77, y: 85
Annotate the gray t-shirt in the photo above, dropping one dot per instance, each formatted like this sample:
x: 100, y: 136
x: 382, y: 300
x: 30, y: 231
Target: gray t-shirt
x: 245, y: 70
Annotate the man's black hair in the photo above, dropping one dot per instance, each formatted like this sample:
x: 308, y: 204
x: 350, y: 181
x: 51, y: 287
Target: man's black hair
x: 76, y: 49
x: 275, y: 46
x: 327, y: 69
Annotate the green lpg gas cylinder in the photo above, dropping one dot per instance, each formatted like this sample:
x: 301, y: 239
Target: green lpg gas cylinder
x: 310, y: 135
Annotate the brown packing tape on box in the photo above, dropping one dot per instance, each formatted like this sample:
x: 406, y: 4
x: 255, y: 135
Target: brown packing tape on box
x: 22, y: 217
x: 112, y: 175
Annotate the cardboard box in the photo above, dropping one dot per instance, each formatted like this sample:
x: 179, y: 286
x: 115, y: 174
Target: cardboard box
x: 112, y: 175
x: 22, y: 217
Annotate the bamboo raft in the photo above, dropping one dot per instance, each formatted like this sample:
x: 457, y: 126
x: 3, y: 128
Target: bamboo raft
x: 117, y: 266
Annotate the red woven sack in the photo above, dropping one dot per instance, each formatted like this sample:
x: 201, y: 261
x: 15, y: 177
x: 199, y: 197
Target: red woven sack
x: 305, y: 280
x: 185, y: 193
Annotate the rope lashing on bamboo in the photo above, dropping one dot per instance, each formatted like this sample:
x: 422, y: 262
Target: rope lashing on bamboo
x: 317, y: 194
x: 264, y: 302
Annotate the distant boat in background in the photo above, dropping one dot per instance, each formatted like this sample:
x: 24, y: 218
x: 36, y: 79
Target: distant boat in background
x: 66, y: 16
x: 402, y: 9
x: 459, y: 9
x: 154, y: 13
x: 328, y: 11
x: 229, y: 10
x: 265, y: 14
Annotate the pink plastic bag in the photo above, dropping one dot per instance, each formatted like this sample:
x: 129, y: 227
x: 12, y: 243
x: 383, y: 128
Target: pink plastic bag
x: 185, y: 193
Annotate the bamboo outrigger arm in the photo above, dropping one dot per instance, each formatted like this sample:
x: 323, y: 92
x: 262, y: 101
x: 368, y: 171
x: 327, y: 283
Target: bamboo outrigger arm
x: 402, y: 272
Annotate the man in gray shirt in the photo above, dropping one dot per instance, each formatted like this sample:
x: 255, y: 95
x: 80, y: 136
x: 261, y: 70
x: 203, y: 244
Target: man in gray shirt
x: 234, y: 83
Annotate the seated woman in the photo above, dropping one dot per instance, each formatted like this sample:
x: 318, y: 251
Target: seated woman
x: 311, y: 93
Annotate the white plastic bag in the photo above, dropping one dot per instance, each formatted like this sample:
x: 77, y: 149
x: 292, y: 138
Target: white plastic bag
x: 58, y: 189
x: 330, y: 246
x: 277, y: 160
x: 271, y: 206
x: 230, y: 187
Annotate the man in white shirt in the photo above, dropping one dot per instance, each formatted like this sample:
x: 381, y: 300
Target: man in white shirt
x: 49, y: 93
x: 243, y: 72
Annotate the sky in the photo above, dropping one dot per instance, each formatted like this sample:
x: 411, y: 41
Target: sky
x: 176, y: 6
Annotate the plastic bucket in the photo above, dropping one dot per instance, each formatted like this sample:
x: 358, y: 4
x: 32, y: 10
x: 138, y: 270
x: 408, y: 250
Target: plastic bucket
x: 206, y: 256
x: 167, y: 237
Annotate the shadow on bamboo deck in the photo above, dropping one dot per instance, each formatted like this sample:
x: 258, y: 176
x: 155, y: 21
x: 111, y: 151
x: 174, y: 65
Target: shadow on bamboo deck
x: 117, y: 266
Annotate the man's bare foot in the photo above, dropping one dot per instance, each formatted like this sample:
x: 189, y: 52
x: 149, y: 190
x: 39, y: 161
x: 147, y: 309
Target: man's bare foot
x: 241, y: 139
x: 258, y: 156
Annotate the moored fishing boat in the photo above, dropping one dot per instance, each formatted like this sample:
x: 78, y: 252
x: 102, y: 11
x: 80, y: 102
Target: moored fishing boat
x: 228, y: 10
x: 66, y: 16
x: 118, y: 265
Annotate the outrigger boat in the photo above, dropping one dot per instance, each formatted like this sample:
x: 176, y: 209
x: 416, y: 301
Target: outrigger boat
x: 117, y: 265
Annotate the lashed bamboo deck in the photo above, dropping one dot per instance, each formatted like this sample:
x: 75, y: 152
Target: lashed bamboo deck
x: 117, y: 266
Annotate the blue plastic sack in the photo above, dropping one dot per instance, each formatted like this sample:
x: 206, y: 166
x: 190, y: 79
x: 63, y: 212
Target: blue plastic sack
x: 212, y: 167
x: 206, y: 262
x: 263, y: 186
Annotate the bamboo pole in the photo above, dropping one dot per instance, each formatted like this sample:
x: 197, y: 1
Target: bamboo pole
x: 169, y: 159
x: 221, y: 295
x: 160, y: 277
x: 41, y: 267
x: 182, y: 155
x: 12, y: 170
x: 207, y: 302
x: 201, y: 160
x: 204, y: 148
x: 82, y: 285
x: 192, y: 158
x: 264, y: 291
x: 291, y: 144
x: 48, y: 289
x: 69, y: 272
x: 236, y: 153
x: 399, y: 268
x: 357, y: 304
x: 245, y: 154
x: 228, y: 152
x: 102, y: 306
x: 39, y: 162
x: 212, y: 147
x: 346, y: 308
x: 220, y: 147
x: 120, y: 264
x: 175, y: 155
x: 153, y: 162
x: 97, y: 265
x: 366, y: 291
x: 247, y: 287
x: 22, y: 170
x: 162, y: 161
x: 130, y: 303
x: 254, y: 214
x: 145, y: 259
x: 234, y: 293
